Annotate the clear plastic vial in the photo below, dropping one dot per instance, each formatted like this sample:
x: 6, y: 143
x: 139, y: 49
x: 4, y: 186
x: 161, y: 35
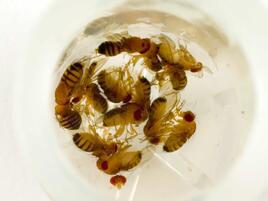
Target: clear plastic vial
x: 217, y: 98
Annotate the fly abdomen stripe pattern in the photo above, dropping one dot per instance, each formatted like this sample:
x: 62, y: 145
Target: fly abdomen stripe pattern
x: 147, y: 88
x: 73, y: 74
x: 72, y: 121
x: 83, y: 143
x: 76, y: 137
x: 110, y: 48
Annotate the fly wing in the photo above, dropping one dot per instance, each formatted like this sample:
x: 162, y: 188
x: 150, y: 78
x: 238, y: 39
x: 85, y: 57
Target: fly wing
x: 130, y: 159
x: 112, y: 84
x: 167, y: 49
x: 116, y: 37
x: 185, y: 58
x: 165, y: 39
x: 95, y: 98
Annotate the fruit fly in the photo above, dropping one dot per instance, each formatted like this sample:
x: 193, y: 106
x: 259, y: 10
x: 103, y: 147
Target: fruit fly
x: 181, y: 56
x: 94, y: 143
x: 118, y: 181
x: 162, y: 115
x: 95, y: 98
x: 181, y: 132
x: 129, y: 113
x: 132, y: 44
x: 114, y: 85
x: 85, y: 87
x: 129, y: 44
x: 187, y: 61
x: 67, y: 117
x: 70, y: 79
x: 122, y: 160
x: 73, y: 74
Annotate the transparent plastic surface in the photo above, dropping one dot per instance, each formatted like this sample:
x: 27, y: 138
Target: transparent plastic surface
x: 216, y: 98
x: 222, y: 100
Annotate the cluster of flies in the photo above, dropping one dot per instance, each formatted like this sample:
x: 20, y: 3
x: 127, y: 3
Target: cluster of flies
x: 87, y: 89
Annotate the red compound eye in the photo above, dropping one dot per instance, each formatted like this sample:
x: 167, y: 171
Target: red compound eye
x: 104, y: 165
x: 188, y: 116
x: 137, y: 114
x: 155, y: 140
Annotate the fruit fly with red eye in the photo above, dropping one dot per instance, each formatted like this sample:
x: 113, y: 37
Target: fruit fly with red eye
x: 162, y: 115
x: 69, y: 80
x: 130, y: 44
x: 146, y: 48
x: 180, y: 56
x: 181, y: 132
x: 93, y: 143
x: 122, y: 160
x: 67, y: 117
x: 129, y: 113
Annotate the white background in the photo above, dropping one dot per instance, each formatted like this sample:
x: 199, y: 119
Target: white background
x: 16, y: 180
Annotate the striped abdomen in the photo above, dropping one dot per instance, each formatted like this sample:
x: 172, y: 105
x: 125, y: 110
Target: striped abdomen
x: 68, y: 118
x: 142, y: 92
x: 93, y: 143
x: 69, y: 80
x: 85, y: 141
x: 146, y: 88
x: 73, y: 75
x: 110, y: 48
